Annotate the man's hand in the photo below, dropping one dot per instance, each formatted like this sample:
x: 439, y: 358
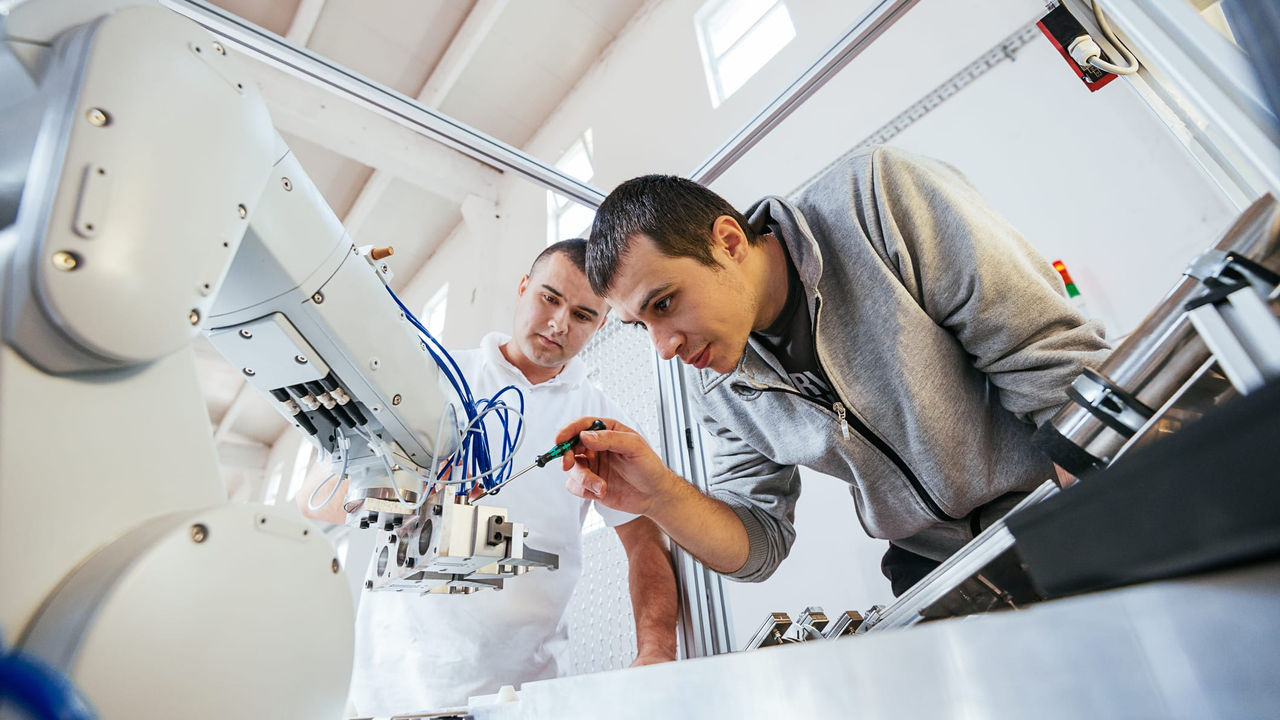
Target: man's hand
x: 615, y: 467
x: 1065, y: 479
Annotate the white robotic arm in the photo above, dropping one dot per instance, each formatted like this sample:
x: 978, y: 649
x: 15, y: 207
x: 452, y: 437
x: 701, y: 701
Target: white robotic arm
x: 156, y: 202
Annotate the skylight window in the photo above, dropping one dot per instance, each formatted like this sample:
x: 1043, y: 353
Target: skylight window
x: 737, y: 38
x: 433, y: 312
x: 566, y: 218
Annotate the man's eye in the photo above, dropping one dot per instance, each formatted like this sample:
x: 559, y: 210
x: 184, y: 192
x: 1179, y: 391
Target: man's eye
x: 663, y: 305
x: 583, y: 317
x: 549, y: 298
x: 637, y: 325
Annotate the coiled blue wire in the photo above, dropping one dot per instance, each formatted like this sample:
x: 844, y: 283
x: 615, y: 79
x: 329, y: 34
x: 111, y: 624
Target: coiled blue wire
x: 475, y: 459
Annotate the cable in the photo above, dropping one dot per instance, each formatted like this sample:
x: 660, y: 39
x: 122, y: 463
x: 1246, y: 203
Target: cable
x: 1085, y: 51
x: 509, y: 456
x: 1131, y: 62
x: 344, y: 445
x: 383, y: 453
x: 473, y: 456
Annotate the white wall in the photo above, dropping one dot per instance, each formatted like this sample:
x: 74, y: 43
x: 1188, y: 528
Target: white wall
x: 1093, y: 179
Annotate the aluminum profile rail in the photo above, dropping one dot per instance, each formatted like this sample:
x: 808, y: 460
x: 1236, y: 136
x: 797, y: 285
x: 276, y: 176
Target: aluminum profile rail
x: 704, y: 615
x: 274, y: 50
x: 967, y: 561
x: 873, y: 23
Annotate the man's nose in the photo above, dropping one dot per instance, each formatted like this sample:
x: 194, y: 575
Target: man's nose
x: 558, y: 321
x: 667, y: 344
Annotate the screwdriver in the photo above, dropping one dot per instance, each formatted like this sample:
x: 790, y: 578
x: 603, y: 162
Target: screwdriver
x: 549, y: 455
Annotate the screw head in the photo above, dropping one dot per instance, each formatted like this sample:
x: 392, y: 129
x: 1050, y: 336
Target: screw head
x: 217, y: 47
x: 246, y: 334
x: 300, y: 359
x: 249, y: 372
x: 374, y: 363
x: 317, y: 298
x: 97, y: 117
x: 286, y: 183
x: 368, y: 584
x: 199, y: 533
x: 396, y: 399
x: 193, y: 317
x: 242, y: 211
x: 334, y: 566
x: 65, y: 261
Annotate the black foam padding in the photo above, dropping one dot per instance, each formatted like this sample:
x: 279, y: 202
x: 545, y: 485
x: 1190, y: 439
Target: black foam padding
x: 1066, y: 454
x: 1203, y: 498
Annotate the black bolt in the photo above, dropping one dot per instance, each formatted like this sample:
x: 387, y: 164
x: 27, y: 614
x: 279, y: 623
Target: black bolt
x: 389, y: 526
x: 364, y: 524
x: 368, y: 584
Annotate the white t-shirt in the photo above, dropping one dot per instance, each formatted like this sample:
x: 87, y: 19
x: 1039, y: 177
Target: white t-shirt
x: 416, y: 652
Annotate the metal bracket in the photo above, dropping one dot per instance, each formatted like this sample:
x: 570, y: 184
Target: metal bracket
x: 1241, y: 332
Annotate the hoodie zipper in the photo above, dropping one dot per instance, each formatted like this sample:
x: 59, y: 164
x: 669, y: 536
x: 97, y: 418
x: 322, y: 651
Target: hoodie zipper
x: 847, y: 419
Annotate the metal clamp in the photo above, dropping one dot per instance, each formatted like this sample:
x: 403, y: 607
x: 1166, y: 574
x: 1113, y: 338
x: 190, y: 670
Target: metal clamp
x: 1106, y: 401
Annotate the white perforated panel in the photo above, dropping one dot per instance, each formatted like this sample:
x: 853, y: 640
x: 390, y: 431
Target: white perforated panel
x: 601, y: 627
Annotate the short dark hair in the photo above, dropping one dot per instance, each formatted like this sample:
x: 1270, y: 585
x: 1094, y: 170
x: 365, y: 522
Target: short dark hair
x: 575, y: 250
x: 676, y: 213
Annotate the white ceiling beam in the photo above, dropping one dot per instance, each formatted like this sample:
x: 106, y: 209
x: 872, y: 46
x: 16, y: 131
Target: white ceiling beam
x: 243, y: 456
x: 304, y: 22
x: 366, y: 202
x: 300, y: 108
x: 462, y: 48
x: 243, y: 396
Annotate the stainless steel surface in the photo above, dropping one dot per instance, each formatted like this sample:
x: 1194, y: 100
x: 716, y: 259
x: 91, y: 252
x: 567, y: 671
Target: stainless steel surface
x: 262, y: 45
x: 1191, y: 648
x: 1099, y: 396
x: 1162, y: 354
x: 351, y: 502
x: 878, y: 18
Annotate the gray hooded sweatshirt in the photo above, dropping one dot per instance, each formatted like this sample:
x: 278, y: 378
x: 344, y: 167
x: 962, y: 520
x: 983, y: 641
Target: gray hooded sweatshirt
x: 946, y: 337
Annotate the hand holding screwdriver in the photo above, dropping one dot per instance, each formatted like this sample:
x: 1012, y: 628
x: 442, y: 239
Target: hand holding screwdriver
x: 547, y: 457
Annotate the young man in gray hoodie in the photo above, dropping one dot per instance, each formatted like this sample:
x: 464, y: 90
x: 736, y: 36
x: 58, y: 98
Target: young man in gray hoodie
x: 889, y: 329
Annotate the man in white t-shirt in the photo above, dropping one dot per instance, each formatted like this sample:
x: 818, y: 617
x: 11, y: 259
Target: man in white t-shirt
x: 417, y: 652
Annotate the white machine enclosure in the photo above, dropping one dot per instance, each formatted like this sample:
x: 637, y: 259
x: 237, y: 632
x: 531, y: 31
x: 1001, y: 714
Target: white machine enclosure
x: 157, y: 202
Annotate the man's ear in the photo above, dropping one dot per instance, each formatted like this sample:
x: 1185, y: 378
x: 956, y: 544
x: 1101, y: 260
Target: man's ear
x: 524, y: 285
x: 728, y: 235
